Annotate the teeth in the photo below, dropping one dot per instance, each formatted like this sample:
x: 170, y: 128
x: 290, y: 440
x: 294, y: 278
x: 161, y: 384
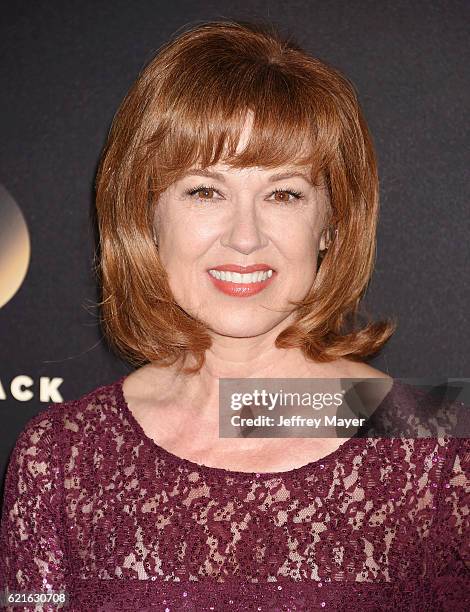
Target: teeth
x: 236, y: 277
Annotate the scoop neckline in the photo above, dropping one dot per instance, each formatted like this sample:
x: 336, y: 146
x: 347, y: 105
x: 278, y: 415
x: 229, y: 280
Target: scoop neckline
x: 209, y: 470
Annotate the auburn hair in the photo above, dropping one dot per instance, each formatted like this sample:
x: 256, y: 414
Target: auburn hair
x: 188, y: 106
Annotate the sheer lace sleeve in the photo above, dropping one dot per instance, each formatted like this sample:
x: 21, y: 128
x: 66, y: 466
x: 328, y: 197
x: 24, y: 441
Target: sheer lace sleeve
x: 451, y: 545
x: 33, y: 557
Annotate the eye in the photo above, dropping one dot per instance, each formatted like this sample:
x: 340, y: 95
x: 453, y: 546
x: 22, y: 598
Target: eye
x: 296, y: 195
x: 206, y: 190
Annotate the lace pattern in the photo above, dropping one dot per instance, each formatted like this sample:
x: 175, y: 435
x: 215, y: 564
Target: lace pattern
x: 95, y: 508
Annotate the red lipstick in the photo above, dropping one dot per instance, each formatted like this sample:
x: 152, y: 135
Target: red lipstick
x: 241, y: 289
x: 243, y: 269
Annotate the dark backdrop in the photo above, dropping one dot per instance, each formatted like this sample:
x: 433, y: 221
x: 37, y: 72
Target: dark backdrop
x: 65, y: 67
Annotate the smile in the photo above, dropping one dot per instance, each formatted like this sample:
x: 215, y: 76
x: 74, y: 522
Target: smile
x: 236, y: 277
x: 241, y: 285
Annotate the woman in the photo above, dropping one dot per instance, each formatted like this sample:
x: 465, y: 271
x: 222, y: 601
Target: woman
x: 237, y: 202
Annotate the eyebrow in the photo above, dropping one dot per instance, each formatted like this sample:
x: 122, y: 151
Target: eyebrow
x: 279, y: 176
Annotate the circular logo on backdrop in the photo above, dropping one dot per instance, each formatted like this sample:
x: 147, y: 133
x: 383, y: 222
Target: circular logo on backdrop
x: 15, y: 247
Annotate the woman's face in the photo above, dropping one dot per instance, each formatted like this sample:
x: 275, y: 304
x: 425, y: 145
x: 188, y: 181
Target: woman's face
x: 207, y: 223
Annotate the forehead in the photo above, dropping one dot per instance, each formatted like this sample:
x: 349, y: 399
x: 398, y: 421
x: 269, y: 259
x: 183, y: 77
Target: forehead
x: 220, y: 171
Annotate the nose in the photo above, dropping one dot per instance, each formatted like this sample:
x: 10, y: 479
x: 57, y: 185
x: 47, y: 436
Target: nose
x: 244, y: 232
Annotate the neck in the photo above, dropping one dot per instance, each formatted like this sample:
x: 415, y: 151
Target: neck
x: 254, y: 357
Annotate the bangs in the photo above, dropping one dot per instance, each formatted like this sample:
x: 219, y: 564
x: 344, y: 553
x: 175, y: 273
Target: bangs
x: 292, y: 122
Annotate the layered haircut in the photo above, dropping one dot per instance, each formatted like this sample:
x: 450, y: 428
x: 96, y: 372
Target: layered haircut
x: 187, y: 108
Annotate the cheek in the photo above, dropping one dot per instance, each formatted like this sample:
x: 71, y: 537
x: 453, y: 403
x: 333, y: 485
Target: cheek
x: 182, y: 243
x: 300, y: 245
x: 301, y: 254
x: 183, y: 247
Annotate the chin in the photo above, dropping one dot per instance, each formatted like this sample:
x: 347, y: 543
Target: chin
x: 241, y: 326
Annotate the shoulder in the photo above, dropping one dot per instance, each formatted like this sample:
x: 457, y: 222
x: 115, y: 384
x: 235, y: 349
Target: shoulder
x: 411, y: 410
x: 36, y: 439
x: 94, y: 413
x: 62, y: 423
x: 35, y: 458
x: 359, y: 369
x: 147, y: 379
x: 153, y: 387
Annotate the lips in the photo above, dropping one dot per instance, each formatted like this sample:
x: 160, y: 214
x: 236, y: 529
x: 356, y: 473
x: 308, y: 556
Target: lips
x: 242, y: 269
x: 236, y: 286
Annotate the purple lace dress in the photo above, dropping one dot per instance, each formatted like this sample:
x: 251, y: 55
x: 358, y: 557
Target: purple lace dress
x: 97, y: 509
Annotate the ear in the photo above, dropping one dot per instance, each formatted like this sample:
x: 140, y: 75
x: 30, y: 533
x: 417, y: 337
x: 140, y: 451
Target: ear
x: 324, y: 239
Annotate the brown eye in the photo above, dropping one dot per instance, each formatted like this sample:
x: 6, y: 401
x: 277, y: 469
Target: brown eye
x: 282, y: 196
x: 205, y: 193
x: 202, y: 192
